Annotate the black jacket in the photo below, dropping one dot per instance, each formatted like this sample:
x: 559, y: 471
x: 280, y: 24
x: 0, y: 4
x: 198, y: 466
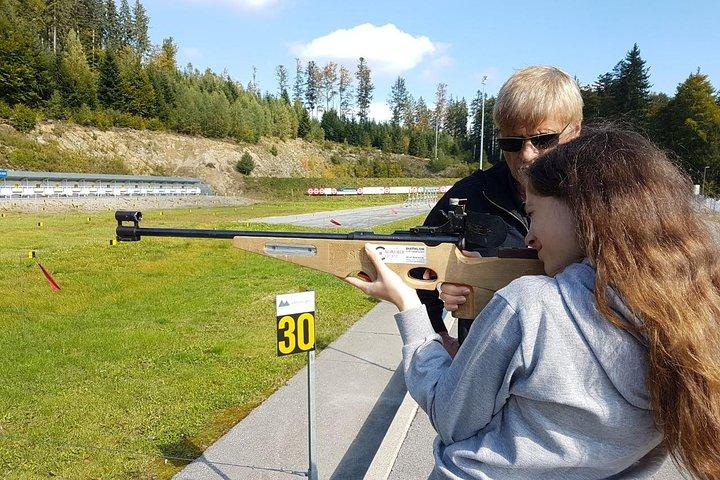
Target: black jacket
x: 491, y: 191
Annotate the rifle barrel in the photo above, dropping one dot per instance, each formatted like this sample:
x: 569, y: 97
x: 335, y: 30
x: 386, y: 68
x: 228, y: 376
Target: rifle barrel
x: 127, y: 233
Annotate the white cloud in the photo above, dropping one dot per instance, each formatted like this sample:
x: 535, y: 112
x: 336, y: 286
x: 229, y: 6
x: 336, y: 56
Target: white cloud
x: 440, y: 62
x: 242, y: 4
x: 380, y: 111
x: 387, y: 49
x: 189, y: 54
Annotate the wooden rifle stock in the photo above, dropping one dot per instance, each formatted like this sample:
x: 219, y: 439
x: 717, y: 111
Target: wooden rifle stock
x: 484, y: 275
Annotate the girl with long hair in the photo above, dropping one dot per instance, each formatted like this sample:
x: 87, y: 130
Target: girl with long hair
x: 603, y: 366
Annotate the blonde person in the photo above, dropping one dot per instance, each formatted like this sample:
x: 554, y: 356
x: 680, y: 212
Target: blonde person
x: 609, y: 362
x: 536, y: 109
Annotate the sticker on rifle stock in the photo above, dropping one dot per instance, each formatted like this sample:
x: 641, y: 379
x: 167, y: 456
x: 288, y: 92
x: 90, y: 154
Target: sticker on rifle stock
x: 414, y: 255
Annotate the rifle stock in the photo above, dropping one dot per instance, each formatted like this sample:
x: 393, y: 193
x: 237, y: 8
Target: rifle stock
x: 484, y: 275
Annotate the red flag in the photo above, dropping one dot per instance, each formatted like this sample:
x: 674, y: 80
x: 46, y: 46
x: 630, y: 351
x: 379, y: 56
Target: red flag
x: 53, y: 284
x: 332, y: 220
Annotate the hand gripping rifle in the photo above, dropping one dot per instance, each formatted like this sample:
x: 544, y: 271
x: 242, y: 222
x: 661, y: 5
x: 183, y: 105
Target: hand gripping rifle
x: 409, y: 253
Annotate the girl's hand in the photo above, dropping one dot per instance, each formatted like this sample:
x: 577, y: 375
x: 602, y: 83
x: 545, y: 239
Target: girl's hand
x: 387, y: 286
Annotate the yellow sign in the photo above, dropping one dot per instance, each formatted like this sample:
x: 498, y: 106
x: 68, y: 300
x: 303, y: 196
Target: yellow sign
x: 295, y: 333
x: 295, y: 314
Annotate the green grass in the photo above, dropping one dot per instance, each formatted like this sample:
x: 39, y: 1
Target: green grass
x: 151, y: 350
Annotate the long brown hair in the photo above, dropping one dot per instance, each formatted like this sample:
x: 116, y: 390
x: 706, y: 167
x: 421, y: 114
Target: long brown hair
x: 638, y: 225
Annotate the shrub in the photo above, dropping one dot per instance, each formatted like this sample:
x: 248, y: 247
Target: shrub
x: 5, y: 110
x: 83, y: 115
x: 274, y: 151
x: 155, y: 124
x: 246, y: 164
x: 56, y: 106
x: 439, y: 164
x: 102, y: 120
x: 23, y: 118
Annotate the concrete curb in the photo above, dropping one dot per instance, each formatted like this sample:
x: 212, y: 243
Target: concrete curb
x: 386, y: 455
x: 389, y: 449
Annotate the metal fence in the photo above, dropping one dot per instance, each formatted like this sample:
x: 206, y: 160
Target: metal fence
x: 708, y: 203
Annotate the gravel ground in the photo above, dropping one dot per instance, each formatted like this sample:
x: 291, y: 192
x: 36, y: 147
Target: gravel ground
x: 95, y: 204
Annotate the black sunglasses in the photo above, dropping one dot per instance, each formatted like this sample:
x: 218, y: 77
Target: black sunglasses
x: 542, y: 141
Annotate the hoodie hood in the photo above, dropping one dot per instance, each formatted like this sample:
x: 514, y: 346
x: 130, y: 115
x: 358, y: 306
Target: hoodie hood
x: 607, y: 342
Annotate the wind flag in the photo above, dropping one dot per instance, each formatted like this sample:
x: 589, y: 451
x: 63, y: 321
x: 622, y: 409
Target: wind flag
x: 53, y: 284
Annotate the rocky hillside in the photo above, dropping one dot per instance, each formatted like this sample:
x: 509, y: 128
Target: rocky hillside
x: 148, y: 152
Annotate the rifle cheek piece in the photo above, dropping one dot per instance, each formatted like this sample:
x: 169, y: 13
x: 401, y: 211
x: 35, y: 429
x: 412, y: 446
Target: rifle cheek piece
x: 483, y: 230
x: 127, y: 233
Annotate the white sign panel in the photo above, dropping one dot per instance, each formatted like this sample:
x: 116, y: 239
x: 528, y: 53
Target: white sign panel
x: 291, y: 303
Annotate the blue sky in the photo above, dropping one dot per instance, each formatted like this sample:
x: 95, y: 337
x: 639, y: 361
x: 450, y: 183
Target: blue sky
x: 456, y: 42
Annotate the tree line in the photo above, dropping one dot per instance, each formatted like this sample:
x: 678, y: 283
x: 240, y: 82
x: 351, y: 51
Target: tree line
x: 91, y: 61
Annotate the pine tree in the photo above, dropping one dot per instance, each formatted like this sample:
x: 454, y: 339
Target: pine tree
x: 313, y: 78
x: 439, y: 113
x: 282, y: 77
x: 24, y: 65
x: 304, y: 123
x: 329, y: 79
x: 398, y: 100
x: 109, y: 82
x: 344, y: 94
x: 364, y: 90
x: 298, y: 85
x: 606, y: 90
x: 125, y: 24
x: 137, y: 93
x: 456, y: 119
x: 141, y: 23
x: 633, y: 88
x: 87, y: 21
x: 58, y: 17
x: 76, y: 78
x: 476, y: 132
x: 691, y: 126
x: 423, y: 114
x: 408, y: 111
x: 591, y: 102
x: 111, y: 32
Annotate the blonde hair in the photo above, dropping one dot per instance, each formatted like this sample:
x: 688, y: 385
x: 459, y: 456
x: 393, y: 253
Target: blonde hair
x: 535, y: 94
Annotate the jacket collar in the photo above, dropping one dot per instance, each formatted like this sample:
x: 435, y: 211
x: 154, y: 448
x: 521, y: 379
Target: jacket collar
x: 500, y: 187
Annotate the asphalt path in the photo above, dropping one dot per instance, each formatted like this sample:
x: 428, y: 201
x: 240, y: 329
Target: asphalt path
x: 366, y: 217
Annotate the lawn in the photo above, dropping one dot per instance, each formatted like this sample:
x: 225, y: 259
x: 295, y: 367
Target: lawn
x: 151, y: 350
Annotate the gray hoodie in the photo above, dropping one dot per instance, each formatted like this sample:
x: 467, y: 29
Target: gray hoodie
x: 543, y: 387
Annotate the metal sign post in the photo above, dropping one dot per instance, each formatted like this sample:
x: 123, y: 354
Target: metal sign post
x: 296, y: 333
x: 312, y: 437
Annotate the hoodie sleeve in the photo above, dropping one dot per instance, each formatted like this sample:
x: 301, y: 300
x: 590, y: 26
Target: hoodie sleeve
x: 461, y: 396
x: 430, y: 298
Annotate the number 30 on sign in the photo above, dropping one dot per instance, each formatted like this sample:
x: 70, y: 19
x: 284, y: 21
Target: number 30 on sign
x: 295, y: 323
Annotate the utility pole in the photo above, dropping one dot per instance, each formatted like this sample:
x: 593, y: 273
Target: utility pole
x: 703, y: 184
x: 482, y: 121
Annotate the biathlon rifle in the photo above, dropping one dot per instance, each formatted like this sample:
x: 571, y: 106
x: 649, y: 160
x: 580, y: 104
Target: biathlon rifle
x: 409, y: 253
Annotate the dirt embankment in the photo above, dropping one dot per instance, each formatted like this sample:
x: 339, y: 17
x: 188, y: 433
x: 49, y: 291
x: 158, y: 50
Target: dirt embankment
x: 147, y: 152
